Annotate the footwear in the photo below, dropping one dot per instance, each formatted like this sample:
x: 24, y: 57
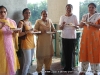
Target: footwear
x: 48, y: 72
x: 39, y: 73
x: 62, y: 69
x: 81, y: 73
x: 68, y: 69
x: 95, y: 74
x: 70, y: 72
x: 29, y: 74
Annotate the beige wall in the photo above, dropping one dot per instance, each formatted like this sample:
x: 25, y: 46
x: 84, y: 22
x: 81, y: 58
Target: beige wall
x: 56, y: 8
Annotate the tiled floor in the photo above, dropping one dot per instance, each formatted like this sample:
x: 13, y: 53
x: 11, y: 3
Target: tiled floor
x: 56, y: 68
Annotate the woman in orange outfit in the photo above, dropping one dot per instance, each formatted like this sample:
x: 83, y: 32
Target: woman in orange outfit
x: 90, y: 47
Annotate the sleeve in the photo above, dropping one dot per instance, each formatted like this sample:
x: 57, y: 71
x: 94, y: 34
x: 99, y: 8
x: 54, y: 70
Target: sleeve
x: 36, y: 25
x: 14, y: 23
x: 52, y: 26
x: 98, y: 22
x: 84, y: 18
x: 15, y: 37
x: 75, y: 21
x: 61, y: 20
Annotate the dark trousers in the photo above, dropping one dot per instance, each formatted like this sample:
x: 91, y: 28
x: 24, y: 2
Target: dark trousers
x: 68, y: 46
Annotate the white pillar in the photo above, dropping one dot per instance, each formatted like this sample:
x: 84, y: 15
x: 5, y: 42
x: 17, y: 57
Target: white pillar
x: 56, y: 8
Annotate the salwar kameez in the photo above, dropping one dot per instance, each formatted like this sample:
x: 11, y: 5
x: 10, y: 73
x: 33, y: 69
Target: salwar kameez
x: 90, y: 43
x: 44, y: 47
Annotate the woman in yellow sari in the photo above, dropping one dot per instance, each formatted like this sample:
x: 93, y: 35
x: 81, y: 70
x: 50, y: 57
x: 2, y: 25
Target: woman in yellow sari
x: 90, y: 42
x: 8, y: 58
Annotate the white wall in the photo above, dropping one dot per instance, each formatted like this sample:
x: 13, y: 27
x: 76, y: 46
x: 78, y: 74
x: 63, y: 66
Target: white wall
x: 75, y: 4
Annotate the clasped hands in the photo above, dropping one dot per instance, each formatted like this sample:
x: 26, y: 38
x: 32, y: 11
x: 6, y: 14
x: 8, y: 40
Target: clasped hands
x: 89, y: 23
x: 71, y: 24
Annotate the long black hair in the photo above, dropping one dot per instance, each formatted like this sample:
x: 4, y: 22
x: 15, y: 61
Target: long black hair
x: 92, y: 4
x: 3, y: 7
x: 25, y: 10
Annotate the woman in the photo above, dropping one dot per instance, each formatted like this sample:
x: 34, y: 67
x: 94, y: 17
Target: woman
x: 8, y: 58
x: 68, y: 26
x: 27, y: 40
x: 44, y: 50
x: 90, y: 47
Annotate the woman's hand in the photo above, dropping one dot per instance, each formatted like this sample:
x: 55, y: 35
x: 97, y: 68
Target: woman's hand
x: 28, y: 32
x: 16, y: 31
x: 2, y: 24
x: 55, y: 31
x: 35, y: 30
x: 94, y: 25
x: 91, y: 24
x: 81, y: 24
x: 77, y: 27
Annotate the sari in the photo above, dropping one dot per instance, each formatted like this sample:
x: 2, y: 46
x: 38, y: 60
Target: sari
x: 8, y: 58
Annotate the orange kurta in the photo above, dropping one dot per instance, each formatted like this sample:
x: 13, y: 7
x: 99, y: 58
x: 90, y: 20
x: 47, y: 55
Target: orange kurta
x: 90, y: 47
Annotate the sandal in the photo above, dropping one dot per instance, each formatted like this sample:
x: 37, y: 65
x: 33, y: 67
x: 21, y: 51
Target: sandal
x: 95, y: 74
x: 81, y: 73
x: 39, y: 73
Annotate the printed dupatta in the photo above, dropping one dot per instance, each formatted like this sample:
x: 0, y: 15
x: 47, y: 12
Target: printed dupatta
x: 92, y: 19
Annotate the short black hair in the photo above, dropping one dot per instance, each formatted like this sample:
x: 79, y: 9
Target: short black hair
x: 92, y: 4
x: 25, y: 10
x: 43, y: 11
x: 3, y: 7
x: 69, y: 5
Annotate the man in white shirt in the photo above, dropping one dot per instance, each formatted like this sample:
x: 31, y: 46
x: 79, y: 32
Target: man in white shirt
x: 68, y: 24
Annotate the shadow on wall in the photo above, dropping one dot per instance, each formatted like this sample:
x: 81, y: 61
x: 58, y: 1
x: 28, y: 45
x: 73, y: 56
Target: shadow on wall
x: 17, y: 16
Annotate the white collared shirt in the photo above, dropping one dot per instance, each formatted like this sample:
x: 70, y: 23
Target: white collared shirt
x: 68, y: 32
